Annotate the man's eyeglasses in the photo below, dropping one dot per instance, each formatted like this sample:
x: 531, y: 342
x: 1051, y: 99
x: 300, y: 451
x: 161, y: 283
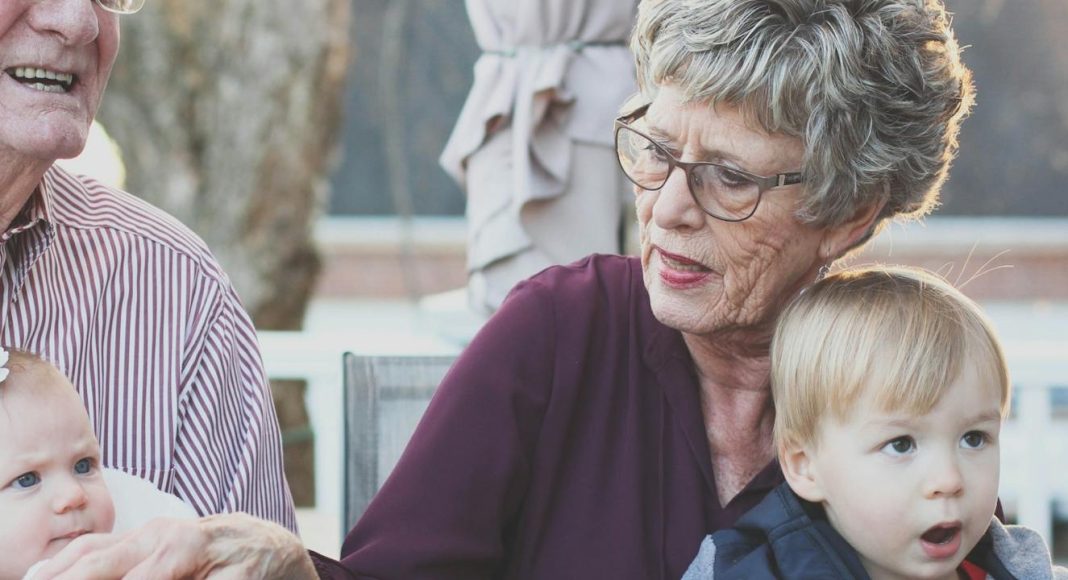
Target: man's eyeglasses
x: 121, y: 6
x: 723, y: 192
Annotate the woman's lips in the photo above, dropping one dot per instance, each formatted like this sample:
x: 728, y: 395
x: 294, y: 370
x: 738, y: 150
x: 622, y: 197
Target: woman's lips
x: 942, y: 541
x: 681, y: 272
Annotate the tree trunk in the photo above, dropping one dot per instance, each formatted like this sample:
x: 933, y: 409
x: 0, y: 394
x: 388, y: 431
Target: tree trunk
x: 227, y: 114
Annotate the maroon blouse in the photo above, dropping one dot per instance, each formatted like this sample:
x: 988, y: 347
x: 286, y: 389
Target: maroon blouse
x: 566, y: 442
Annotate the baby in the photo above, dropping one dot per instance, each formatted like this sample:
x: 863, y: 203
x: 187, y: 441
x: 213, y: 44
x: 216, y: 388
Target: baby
x: 52, y: 486
x: 52, y: 489
x: 890, y: 389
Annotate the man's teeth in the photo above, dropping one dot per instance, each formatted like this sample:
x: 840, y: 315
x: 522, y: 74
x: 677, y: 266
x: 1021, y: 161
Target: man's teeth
x: 40, y: 73
x: 48, y: 88
x: 60, y: 82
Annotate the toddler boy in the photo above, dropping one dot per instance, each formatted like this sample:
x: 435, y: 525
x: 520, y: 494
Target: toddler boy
x: 890, y: 389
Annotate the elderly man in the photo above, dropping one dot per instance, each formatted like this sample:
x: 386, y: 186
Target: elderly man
x: 125, y: 300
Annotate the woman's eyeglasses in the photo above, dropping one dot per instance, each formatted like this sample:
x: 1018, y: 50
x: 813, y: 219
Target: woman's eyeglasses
x: 723, y: 192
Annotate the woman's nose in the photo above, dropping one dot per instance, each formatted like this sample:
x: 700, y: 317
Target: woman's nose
x: 675, y: 207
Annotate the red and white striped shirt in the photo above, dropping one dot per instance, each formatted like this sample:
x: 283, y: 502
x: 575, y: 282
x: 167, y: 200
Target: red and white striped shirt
x: 134, y: 309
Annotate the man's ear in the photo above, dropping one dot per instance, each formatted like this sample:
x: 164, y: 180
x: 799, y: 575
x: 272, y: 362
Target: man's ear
x: 800, y: 473
x: 844, y: 237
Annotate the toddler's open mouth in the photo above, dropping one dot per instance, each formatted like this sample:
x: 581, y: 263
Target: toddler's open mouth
x: 942, y: 541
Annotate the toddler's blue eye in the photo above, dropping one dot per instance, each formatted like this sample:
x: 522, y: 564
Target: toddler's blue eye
x: 83, y: 466
x: 973, y: 440
x: 900, y: 445
x: 27, y: 480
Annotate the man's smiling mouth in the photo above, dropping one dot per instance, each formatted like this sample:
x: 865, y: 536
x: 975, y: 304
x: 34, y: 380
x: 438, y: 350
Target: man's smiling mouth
x: 42, y: 79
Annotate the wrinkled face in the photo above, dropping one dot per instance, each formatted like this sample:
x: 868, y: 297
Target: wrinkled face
x: 914, y: 495
x: 705, y: 275
x: 51, y: 487
x: 67, y: 48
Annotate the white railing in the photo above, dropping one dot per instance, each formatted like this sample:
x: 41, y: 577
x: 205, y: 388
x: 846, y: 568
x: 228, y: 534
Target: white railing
x: 1034, y: 453
x: 1034, y: 446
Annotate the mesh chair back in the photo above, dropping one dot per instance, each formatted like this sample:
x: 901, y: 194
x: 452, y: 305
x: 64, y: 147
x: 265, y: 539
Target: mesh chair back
x: 385, y: 396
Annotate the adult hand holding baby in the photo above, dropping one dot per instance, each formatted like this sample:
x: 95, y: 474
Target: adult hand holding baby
x: 219, y: 547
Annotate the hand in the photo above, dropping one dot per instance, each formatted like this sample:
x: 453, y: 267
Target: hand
x: 218, y: 547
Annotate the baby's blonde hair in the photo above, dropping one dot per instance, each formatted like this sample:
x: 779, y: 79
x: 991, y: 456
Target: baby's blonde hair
x: 900, y: 334
x: 22, y: 362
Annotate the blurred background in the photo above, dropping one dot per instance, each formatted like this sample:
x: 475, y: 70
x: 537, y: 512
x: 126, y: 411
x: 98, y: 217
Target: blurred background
x: 301, y: 141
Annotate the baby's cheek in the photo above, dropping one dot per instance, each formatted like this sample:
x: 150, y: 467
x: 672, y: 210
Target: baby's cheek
x: 104, y: 511
x: 22, y: 544
x: 107, y: 522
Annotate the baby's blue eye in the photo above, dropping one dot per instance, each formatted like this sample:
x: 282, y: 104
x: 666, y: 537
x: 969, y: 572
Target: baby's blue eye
x: 83, y: 466
x: 27, y: 480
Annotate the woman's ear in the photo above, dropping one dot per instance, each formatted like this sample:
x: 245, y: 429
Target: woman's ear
x: 799, y: 470
x: 844, y: 237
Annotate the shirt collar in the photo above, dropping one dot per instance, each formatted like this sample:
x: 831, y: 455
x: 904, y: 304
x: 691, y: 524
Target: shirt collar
x: 36, y: 210
x: 30, y: 234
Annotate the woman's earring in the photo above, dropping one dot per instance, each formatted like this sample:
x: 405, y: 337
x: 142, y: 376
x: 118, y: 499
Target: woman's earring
x: 824, y: 270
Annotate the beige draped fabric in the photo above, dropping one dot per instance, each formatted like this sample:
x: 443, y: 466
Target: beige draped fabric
x: 554, y: 72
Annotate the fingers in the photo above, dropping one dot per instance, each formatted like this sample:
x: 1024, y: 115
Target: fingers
x: 108, y: 564
x: 162, y: 549
x: 231, y: 573
x: 173, y: 549
x: 159, y: 566
x: 83, y: 551
x: 222, y: 547
x: 253, y: 548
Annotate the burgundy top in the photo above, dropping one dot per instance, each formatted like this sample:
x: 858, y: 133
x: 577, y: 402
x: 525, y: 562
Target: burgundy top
x: 566, y: 442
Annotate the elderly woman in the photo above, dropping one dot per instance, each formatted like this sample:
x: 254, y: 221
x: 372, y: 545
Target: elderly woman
x: 616, y: 410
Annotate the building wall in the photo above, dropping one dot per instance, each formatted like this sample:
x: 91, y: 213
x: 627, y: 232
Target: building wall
x: 994, y: 259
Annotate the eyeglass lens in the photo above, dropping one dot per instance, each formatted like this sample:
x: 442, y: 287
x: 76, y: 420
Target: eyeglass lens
x: 122, y: 6
x: 719, y: 190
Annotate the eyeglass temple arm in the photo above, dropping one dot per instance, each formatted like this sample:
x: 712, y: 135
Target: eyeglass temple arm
x: 787, y: 179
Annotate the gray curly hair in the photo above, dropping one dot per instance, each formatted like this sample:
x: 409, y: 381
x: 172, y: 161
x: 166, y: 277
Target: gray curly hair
x: 875, y: 89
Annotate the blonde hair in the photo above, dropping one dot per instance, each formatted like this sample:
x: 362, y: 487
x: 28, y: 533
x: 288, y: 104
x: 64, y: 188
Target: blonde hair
x: 900, y: 334
x: 21, y: 362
